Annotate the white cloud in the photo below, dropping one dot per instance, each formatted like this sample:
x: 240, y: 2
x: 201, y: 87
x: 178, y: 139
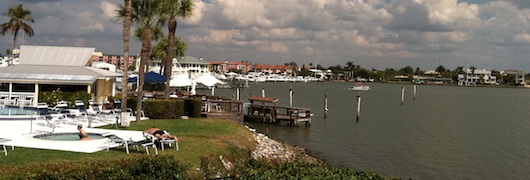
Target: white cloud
x: 375, y: 33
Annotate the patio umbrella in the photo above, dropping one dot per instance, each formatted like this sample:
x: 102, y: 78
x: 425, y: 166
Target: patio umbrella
x: 149, y: 78
x: 208, y: 80
x: 180, y: 80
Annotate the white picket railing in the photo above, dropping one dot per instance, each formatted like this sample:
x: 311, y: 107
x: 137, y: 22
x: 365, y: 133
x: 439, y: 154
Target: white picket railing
x: 17, y: 98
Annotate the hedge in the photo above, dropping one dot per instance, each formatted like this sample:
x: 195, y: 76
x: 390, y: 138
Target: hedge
x: 159, y: 109
x: 139, y: 167
x: 163, y: 109
x: 193, y: 107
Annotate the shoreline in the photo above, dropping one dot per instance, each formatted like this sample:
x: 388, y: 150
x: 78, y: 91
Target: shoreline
x: 275, y: 151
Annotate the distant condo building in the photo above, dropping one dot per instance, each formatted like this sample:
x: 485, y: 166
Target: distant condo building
x: 273, y: 69
x: 117, y: 60
x: 224, y: 67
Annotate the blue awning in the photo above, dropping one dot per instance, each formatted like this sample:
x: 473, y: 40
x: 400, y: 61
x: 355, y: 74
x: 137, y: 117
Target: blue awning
x: 149, y: 78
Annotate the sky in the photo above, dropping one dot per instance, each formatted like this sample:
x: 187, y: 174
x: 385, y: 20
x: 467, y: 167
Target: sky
x: 486, y: 34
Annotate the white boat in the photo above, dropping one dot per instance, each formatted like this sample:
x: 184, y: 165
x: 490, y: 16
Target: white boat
x: 359, y: 87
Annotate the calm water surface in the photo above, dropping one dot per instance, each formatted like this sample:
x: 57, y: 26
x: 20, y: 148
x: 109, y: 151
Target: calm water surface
x: 447, y: 132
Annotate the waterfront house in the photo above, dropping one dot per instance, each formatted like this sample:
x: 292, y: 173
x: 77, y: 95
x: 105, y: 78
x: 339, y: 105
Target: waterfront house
x: 514, y: 77
x: 48, y: 68
x: 475, y: 76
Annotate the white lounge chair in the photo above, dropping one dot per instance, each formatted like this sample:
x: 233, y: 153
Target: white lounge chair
x: 119, y: 141
x: 3, y: 99
x: 3, y: 145
x: 53, y: 119
x: 27, y: 101
x: 117, y: 107
x: 12, y: 100
x: 167, y: 141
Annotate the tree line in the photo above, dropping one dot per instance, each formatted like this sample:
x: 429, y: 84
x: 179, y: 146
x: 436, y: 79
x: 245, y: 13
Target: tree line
x: 350, y: 71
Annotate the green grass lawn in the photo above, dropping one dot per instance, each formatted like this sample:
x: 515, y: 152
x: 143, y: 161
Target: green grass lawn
x: 198, y: 139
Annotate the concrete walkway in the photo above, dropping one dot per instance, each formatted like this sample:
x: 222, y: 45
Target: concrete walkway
x: 22, y: 132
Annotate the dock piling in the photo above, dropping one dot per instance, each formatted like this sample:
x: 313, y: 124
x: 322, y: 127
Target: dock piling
x: 325, y: 105
x: 290, y: 97
x: 238, y: 94
x: 358, y: 106
x: 402, y: 95
x: 262, y: 92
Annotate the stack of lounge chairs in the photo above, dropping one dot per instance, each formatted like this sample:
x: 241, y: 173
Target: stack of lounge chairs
x: 117, y: 107
x: 53, y: 119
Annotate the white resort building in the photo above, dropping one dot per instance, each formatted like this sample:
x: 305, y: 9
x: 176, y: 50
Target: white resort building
x: 190, y: 65
x: 48, y: 68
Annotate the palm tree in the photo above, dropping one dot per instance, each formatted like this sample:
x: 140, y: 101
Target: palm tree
x: 145, y: 15
x: 126, y: 36
x: 18, y: 18
x: 172, y: 10
x: 156, y: 34
x: 160, y: 49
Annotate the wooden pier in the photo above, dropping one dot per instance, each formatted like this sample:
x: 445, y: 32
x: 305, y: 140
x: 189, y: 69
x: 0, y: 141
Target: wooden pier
x: 264, y: 109
x: 260, y: 109
x: 221, y: 108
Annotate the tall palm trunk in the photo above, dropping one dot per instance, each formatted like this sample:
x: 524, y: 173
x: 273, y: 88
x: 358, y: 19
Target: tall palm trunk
x: 146, y: 49
x: 126, y: 37
x: 14, y: 46
x: 172, y: 26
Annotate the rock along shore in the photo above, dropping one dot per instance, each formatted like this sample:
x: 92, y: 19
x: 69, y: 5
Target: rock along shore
x: 275, y: 151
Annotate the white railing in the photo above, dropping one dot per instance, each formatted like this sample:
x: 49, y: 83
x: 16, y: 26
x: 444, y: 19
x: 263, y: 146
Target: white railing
x: 17, y: 98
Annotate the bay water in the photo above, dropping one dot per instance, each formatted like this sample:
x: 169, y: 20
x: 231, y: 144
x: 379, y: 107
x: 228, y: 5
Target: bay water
x: 446, y: 132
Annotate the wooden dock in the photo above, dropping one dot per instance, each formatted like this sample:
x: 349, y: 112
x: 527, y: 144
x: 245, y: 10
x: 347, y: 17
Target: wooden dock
x: 261, y: 109
x: 266, y: 110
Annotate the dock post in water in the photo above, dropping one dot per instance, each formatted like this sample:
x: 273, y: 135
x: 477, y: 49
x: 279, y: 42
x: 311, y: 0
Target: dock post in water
x: 290, y: 97
x: 262, y: 92
x: 325, y: 105
x: 358, y: 106
x: 238, y: 94
x: 402, y: 95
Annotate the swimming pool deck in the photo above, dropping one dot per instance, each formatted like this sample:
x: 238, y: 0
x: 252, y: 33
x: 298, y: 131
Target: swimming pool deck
x: 21, y: 133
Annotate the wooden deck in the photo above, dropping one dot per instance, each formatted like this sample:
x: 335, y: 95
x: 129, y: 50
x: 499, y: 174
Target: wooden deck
x: 262, y: 109
x: 277, y: 114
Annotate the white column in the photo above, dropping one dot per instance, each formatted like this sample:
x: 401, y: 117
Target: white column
x: 36, y: 96
x: 10, y: 89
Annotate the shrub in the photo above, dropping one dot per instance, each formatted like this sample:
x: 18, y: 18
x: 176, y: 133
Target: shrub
x: 259, y: 169
x: 163, y: 109
x: 141, y: 167
x: 192, y: 107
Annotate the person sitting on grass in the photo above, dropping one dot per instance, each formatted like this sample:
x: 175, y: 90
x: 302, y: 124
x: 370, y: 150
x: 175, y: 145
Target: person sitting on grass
x: 160, y: 134
x: 82, y: 134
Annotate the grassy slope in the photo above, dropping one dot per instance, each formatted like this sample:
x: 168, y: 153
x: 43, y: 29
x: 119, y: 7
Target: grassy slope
x: 199, y: 138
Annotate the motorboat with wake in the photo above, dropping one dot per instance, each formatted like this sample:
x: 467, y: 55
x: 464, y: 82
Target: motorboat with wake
x: 359, y: 87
